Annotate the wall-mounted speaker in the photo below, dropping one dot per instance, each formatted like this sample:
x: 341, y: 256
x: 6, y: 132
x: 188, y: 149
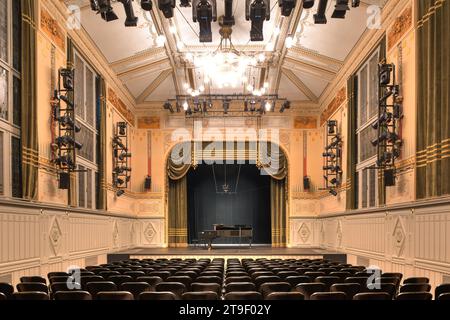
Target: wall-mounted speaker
x: 389, y: 178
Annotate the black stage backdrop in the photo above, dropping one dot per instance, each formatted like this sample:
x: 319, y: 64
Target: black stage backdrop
x: 248, y: 205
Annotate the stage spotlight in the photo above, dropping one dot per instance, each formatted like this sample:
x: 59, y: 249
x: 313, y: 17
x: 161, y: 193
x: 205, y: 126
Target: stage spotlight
x: 228, y: 18
x: 287, y: 6
x: 385, y: 118
x: 320, y: 17
x: 385, y: 74
x: 120, y: 170
x: 268, y: 106
x: 67, y: 75
x: 332, y: 168
x: 167, y: 6
x: 124, y: 155
x: 204, y: 12
x: 69, y: 103
x: 332, y: 124
x: 65, y: 161
x: 168, y: 106
x: 385, y: 136
x: 340, y: 9
x: 252, y: 105
x: 67, y: 121
x: 185, y: 3
x: 333, y: 192
x: 386, y: 157
x: 118, y: 142
x: 398, y: 111
x: 122, y: 128
x: 286, y: 105
x: 104, y: 8
x: 334, y: 144
x: 329, y: 154
x: 356, y: 3
x: 131, y: 20
x: 146, y: 5
x: 256, y: 12
x: 308, y: 4
x: 120, y: 193
x: 65, y: 141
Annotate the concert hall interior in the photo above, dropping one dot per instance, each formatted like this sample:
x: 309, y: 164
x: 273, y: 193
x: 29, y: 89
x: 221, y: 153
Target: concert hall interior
x: 224, y: 150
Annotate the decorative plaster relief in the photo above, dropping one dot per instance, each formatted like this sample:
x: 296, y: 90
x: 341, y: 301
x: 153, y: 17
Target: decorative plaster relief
x: 55, y: 235
x: 304, y: 232
x: 398, y: 237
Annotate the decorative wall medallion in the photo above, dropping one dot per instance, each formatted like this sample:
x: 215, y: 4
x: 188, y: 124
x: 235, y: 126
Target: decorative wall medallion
x: 115, y: 234
x: 339, y: 234
x: 150, y: 232
x: 304, y: 232
x: 55, y: 236
x: 398, y: 236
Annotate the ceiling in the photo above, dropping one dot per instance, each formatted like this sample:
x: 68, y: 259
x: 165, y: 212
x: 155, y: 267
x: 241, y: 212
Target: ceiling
x: 154, y: 70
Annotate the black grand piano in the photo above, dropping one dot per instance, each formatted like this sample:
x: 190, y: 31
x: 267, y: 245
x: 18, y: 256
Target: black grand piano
x: 222, y: 231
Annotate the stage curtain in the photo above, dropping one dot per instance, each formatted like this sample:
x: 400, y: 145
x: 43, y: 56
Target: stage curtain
x: 102, y: 192
x: 381, y: 183
x: 73, y: 201
x: 433, y: 114
x: 278, y: 201
x: 352, y: 87
x: 178, y: 218
x: 29, y: 129
x: 274, y: 162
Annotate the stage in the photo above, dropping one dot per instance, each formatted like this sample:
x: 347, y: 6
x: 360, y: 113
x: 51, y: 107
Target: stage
x: 219, y: 251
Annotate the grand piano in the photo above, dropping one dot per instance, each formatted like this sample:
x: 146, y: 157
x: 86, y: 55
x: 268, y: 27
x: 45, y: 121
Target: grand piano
x: 222, y: 231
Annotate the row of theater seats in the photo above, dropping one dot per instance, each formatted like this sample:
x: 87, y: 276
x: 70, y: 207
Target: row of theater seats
x: 203, y: 279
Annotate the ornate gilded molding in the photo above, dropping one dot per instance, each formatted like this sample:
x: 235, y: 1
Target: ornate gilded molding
x: 120, y: 106
x: 52, y: 29
x: 305, y: 122
x: 401, y: 25
x: 337, y: 101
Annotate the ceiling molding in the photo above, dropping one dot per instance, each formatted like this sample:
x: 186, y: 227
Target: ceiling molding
x: 139, y: 57
x: 299, y: 84
x: 318, y: 71
x: 154, y: 85
x: 145, y: 67
x: 301, y: 52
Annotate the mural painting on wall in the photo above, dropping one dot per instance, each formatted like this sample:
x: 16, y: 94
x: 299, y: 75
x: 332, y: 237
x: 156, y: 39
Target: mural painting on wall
x: 52, y: 29
x: 149, y: 122
x: 120, y: 106
x: 338, y: 100
x: 305, y: 122
x: 401, y: 25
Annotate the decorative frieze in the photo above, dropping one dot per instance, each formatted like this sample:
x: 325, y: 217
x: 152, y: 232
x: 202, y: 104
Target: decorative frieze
x: 52, y: 29
x: 338, y: 100
x: 401, y: 25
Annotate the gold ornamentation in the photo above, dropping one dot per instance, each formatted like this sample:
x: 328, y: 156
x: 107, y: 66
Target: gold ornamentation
x: 400, y: 26
x: 51, y: 27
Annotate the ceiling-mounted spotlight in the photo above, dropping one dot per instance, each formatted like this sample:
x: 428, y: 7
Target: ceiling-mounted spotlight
x: 204, y: 12
x: 185, y: 3
x: 146, y: 5
x: 228, y: 18
x: 308, y: 4
x: 131, y: 20
x: 168, y: 106
x: 333, y: 192
x: 320, y: 17
x: 287, y: 6
x: 105, y: 9
x: 67, y: 75
x: 122, y: 128
x: 120, y: 193
x: 257, y: 11
x: 332, y: 125
x: 65, y: 141
x: 286, y: 105
x: 356, y: 3
x: 67, y: 121
x: 340, y: 9
x: 167, y: 6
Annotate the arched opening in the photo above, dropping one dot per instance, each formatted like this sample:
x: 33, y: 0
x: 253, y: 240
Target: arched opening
x: 198, y: 170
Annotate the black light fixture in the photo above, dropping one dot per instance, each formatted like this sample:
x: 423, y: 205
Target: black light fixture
x: 340, y: 9
x: 332, y: 126
x: 167, y: 7
x: 287, y: 6
x: 285, y: 106
x: 257, y: 11
x: 308, y: 4
x: 105, y: 9
x: 168, y: 106
x: 228, y: 17
x: 120, y: 193
x: 67, y: 121
x: 122, y: 128
x: 204, y: 12
x: 356, y: 3
x: 385, y: 118
x: 131, y: 20
x: 68, y: 141
x: 333, y: 192
x: 385, y: 136
x: 146, y: 5
x: 320, y: 17
x: 185, y: 3
x: 67, y: 77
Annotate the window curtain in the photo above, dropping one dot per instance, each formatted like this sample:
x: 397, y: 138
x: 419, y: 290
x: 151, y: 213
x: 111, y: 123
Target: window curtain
x: 102, y: 192
x: 433, y: 114
x: 352, y: 150
x: 29, y: 130
x: 177, y: 198
x: 381, y: 183
x: 73, y: 201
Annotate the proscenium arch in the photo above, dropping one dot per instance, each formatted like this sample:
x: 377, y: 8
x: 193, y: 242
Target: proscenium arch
x: 278, y: 143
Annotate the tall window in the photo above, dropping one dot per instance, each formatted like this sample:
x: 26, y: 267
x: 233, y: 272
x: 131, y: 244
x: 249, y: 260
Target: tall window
x: 367, y: 113
x: 86, y: 115
x: 10, y: 103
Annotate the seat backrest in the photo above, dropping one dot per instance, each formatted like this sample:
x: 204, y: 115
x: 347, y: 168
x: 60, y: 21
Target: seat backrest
x: 392, y: 274
x: 416, y: 280
x: 327, y: 270
x: 236, y: 274
x: 327, y: 280
x: 415, y: 287
x: 115, y: 295
x: 2, y: 297
x: 322, y: 296
x: 414, y: 296
x: 32, y: 287
x: 240, y: 287
x: 107, y: 274
x: 202, y: 287
x: 136, y: 288
x: 257, y: 274
x: 295, y: 280
x: 7, y: 290
x: 157, y: 296
x: 135, y: 274
x: 389, y: 288
x: 314, y: 274
x: 440, y: 289
x: 63, y: 286
x: 212, y: 273
x: 56, y: 274
x: 118, y: 280
x: 209, y: 279
x: 248, y: 296
x: 284, y: 274
x: 372, y: 296
x: 176, y: 287
x: 285, y: 296
x: 72, y: 295
x: 100, y: 286
x: 31, y: 295
x: 443, y: 296
x: 238, y: 279
x: 263, y: 279
x: 162, y: 274
x: 269, y: 287
x: 307, y: 289
x: 206, y: 295
x: 84, y: 280
x: 350, y: 289
x: 182, y: 279
x: 60, y: 279
x: 341, y: 274
x: 36, y: 279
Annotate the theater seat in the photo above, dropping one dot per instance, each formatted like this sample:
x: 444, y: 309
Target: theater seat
x: 270, y: 287
x: 84, y: 280
x: 341, y: 274
x: 325, y: 296
x: 36, y: 279
x: 443, y: 288
x: 248, y: 296
x: 285, y: 274
x: 72, y: 295
x: 118, y: 280
x: 115, y: 295
x: 328, y: 281
x: 32, y: 287
x: 151, y: 280
x: 237, y: 274
x: 414, y: 296
x: 182, y: 279
x: 207, y: 296
x: 136, y: 288
x: 285, y: 296
x: 238, y: 279
x: 350, y: 289
x: 295, y: 280
x: 157, y: 296
x: 240, y: 287
x: 416, y: 280
x: 307, y: 289
x: 444, y: 296
x: 389, y: 288
x: 7, y: 290
x: 134, y: 274
x: 202, y: 287
x: 162, y: 274
x: 31, y: 295
x: 62, y: 286
x: 415, y: 287
x: 56, y: 274
x: 209, y: 279
x: 176, y: 287
x: 60, y: 279
x: 264, y: 279
x: 372, y: 296
x: 100, y: 286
